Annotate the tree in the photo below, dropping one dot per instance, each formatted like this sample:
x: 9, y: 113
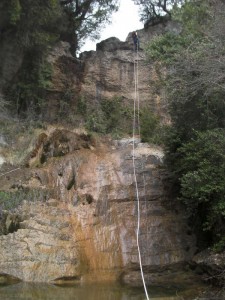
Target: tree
x: 72, y: 20
x: 202, y: 182
x: 155, y: 9
x: 86, y: 18
x: 193, y: 76
x: 35, y: 27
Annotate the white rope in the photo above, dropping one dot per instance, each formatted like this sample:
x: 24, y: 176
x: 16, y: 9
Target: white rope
x: 9, y: 172
x: 136, y: 98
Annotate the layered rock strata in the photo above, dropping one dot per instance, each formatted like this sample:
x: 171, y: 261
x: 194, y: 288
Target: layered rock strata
x: 85, y: 227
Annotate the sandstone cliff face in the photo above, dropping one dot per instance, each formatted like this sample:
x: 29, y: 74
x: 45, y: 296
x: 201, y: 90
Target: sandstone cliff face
x: 86, y: 228
x: 108, y: 72
x: 77, y: 218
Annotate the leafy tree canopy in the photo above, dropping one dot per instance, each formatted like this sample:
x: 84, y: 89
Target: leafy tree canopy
x: 39, y: 21
x: 35, y: 26
x: 202, y: 182
x: 88, y: 17
x: 195, y: 89
x: 154, y: 9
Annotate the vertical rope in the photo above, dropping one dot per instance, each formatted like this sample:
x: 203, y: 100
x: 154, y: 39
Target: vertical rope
x: 136, y: 99
x: 9, y: 172
x: 137, y: 94
x: 139, y: 131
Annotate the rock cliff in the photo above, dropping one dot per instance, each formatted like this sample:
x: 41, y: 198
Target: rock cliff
x: 75, y: 211
x: 85, y: 228
x: 106, y: 73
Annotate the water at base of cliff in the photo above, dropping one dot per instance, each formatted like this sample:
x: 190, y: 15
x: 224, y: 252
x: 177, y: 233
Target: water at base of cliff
x: 31, y: 291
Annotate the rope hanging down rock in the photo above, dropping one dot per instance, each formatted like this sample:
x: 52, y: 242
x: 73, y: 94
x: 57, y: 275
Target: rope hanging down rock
x: 136, y: 122
x: 9, y: 172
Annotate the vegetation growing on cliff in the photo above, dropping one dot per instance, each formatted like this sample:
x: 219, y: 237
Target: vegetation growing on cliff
x: 153, y: 10
x: 11, y: 200
x: 38, y: 23
x: 34, y: 27
x: 112, y: 116
x: 195, y: 85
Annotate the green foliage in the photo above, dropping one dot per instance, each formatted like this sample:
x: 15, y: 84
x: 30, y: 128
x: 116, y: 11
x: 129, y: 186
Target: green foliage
x: 37, y: 26
x: 154, y: 9
x: 81, y: 106
x: 17, y: 150
x: 87, y: 18
x: 194, y: 81
x: 14, y: 11
x: 203, y: 172
x: 11, y: 200
x: 40, y: 23
x: 149, y: 123
x: 165, y: 47
x: 169, y: 47
x: 194, y: 16
x: 96, y: 122
x: 219, y: 246
x: 44, y: 75
x: 112, y: 117
x: 151, y: 129
x: 112, y: 111
x: 30, y: 90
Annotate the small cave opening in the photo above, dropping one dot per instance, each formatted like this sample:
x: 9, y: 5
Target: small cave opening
x: 71, y: 183
x: 86, y: 199
x: 9, y: 224
x: 65, y: 280
x: 7, y: 279
x: 89, y: 199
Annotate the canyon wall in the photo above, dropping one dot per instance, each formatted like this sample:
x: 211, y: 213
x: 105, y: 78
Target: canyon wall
x: 76, y: 210
x: 85, y: 228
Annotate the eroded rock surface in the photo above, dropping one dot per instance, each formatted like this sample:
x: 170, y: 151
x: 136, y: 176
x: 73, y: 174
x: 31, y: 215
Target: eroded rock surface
x: 78, y: 210
x: 85, y: 229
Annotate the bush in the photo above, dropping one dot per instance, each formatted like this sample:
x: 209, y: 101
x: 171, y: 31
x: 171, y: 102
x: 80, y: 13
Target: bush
x: 148, y: 124
x: 11, y: 200
x: 202, y: 166
x: 14, y: 11
x: 112, y: 117
x: 192, y: 67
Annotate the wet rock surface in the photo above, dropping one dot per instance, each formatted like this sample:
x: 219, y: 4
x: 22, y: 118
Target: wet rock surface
x: 75, y: 210
x: 85, y: 228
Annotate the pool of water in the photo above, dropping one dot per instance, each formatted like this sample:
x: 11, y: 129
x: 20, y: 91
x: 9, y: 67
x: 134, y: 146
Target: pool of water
x: 31, y: 291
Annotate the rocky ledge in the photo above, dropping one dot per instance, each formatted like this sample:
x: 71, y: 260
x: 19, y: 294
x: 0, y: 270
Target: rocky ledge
x: 77, y: 219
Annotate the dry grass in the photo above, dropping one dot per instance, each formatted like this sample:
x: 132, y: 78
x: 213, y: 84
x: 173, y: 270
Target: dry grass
x: 19, y: 140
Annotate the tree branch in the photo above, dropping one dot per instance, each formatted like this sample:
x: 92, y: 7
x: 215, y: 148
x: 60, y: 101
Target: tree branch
x: 65, y: 2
